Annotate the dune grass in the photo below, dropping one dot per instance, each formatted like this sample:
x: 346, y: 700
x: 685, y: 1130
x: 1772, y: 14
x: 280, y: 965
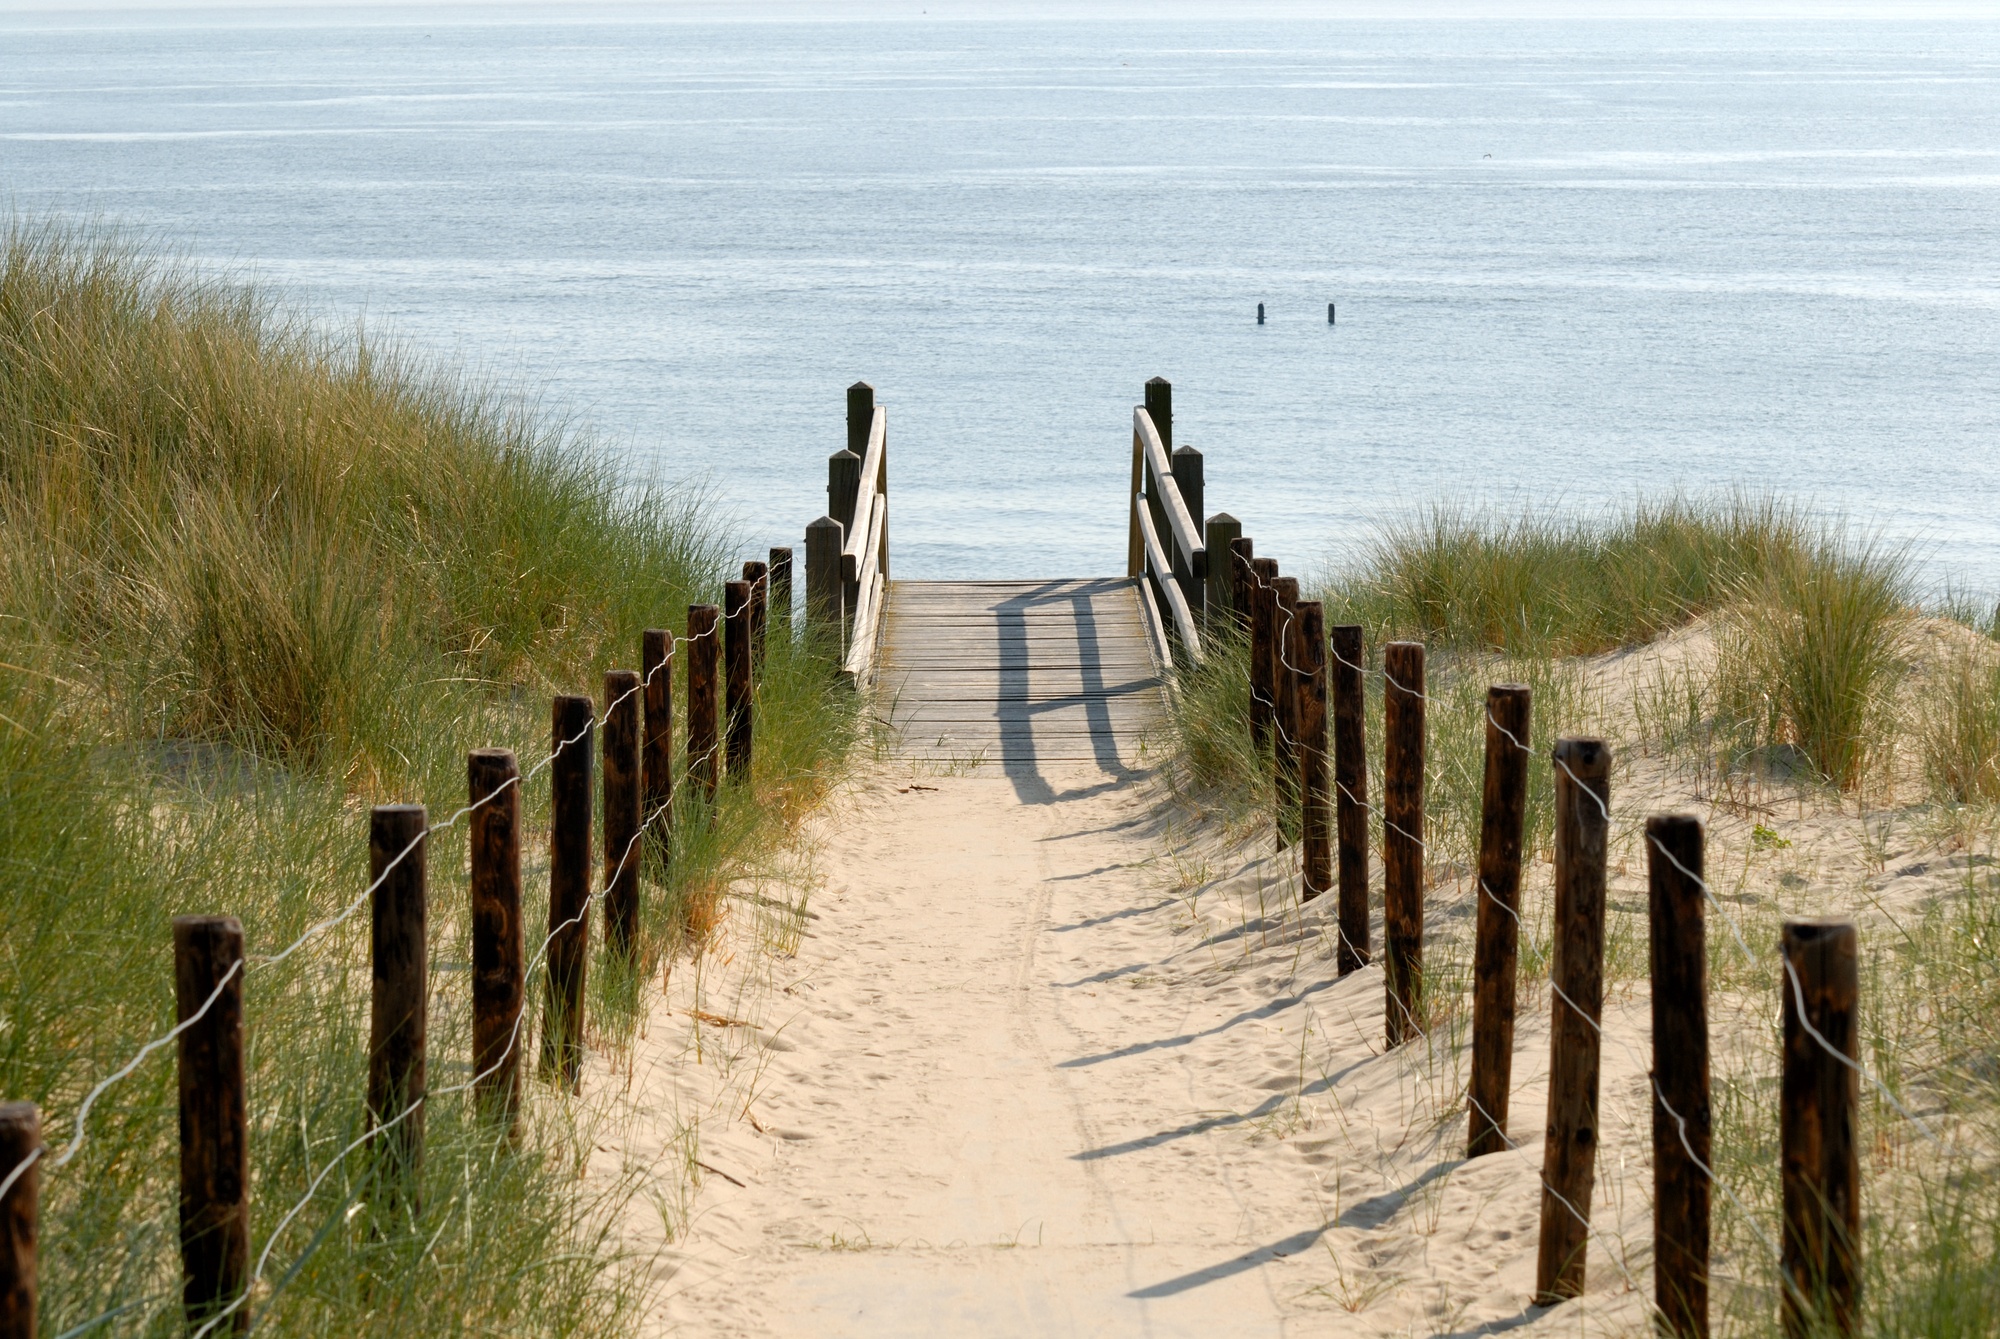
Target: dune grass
x: 253, y: 579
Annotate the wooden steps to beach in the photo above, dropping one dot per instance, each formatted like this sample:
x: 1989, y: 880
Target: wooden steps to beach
x: 1018, y: 672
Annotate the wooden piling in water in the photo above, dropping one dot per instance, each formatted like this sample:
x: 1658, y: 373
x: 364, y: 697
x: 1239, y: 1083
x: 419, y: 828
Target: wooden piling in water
x: 740, y: 686
x: 623, y: 810
x: 215, y: 1137
x: 656, y: 666
x: 1350, y: 794
x: 494, y: 838
x: 1315, y: 799
x: 1681, y: 1122
x: 1263, y: 650
x: 569, y: 890
x: 399, y: 1003
x: 20, y: 1220
x: 1503, y: 807
x: 1819, y: 1100
x: 704, y: 655
x: 1403, y: 838
x: 1285, y: 711
x: 1576, y: 979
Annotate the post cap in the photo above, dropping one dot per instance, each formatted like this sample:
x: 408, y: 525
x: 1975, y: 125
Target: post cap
x: 1158, y: 381
x: 824, y: 523
x: 1223, y: 518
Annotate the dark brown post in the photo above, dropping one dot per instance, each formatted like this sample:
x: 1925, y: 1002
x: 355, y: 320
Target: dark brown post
x: 215, y: 1141
x: 1680, y: 1075
x: 623, y: 812
x: 1502, y: 807
x: 1219, y: 535
x: 656, y: 665
x: 1403, y: 837
x: 825, y: 604
x: 1576, y: 979
x: 860, y: 420
x: 569, y: 891
x: 1263, y: 650
x: 1242, y: 581
x: 759, y: 576
x: 1160, y: 408
x: 843, y: 499
x: 20, y: 1219
x: 781, y: 586
x: 1187, y: 467
x: 1315, y: 803
x: 495, y: 839
x: 1350, y: 793
x: 1819, y: 1095
x: 737, y: 615
x: 1285, y: 714
x: 399, y: 1013
x: 704, y: 655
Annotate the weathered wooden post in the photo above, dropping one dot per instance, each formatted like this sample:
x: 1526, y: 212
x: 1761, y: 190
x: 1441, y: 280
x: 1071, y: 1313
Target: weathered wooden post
x: 1576, y: 980
x: 1350, y: 794
x: 1315, y: 803
x: 1220, y: 536
x: 1160, y: 408
x: 215, y: 1137
x: 399, y: 1013
x: 1186, y: 462
x: 569, y: 891
x: 656, y: 664
x: 20, y: 1220
x: 494, y: 790
x: 1285, y: 688
x: 759, y: 576
x: 1680, y: 1074
x: 622, y: 810
x: 704, y: 655
x: 825, y: 604
x: 860, y: 420
x: 1403, y: 837
x: 1819, y: 1096
x: 737, y: 628
x: 1502, y: 808
x: 1242, y: 581
x: 1263, y: 649
x: 781, y: 587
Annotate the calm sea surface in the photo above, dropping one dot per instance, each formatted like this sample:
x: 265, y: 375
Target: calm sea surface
x: 1574, y: 263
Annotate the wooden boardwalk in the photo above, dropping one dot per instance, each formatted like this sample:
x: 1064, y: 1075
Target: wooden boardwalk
x: 1019, y: 673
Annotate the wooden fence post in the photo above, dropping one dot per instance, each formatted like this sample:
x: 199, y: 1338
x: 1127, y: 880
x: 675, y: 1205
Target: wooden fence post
x: 1403, y: 837
x: 1160, y: 408
x: 1680, y: 1074
x: 1819, y: 1097
x: 825, y: 604
x: 569, y: 891
x: 656, y: 664
x: 399, y: 1012
x: 623, y: 810
x: 494, y: 790
x: 1576, y: 979
x: 1242, y: 581
x: 1187, y: 465
x: 1350, y: 794
x: 1503, y: 805
x: 704, y: 656
x: 737, y: 630
x: 1315, y: 807
x: 1220, y: 536
x: 860, y: 420
x: 843, y: 494
x: 1263, y: 653
x: 215, y: 1143
x: 20, y: 1220
x: 781, y: 588
x: 1285, y: 708
x: 759, y: 576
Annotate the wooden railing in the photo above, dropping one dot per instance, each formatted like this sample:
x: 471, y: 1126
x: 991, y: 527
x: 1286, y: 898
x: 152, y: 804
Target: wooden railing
x: 847, y: 550
x: 1166, y: 545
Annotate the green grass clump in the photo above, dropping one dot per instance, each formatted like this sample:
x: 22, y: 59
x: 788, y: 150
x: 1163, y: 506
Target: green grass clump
x: 1958, y: 728
x: 251, y: 580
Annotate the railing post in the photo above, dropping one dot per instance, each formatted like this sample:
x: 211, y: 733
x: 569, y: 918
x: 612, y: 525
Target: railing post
x: 1681, y: 1122
x: 759, y: 576
x: 399, y: 1013
x: 1285, y: 687
x: 860, y: 421
x: 623, y: 810
x: 1576, y: 981
x: 843, y: 496
x: 1135, y: 541
x: 1819, y: 1096
x: 1403, y: 837
x: 1242, y: 581
x: 1218, y: 601
x: 656, y: 664
x: 738, y: 632
x: 1502, y: 809
x: 1263, y: 660
x: 704, y: 655
x: 20, y: 1220
x: 215, y: 1142
x: 494, y: 791
x: 1160, y: 408
x: 825, y: 598
x: 781, y: 587
x: 1187, y: 479
x: 1350, y: 794
x: 1315, y: 809
x: 569, y: 889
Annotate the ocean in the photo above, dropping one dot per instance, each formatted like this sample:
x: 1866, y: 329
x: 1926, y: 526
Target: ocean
x: 1574, y: 263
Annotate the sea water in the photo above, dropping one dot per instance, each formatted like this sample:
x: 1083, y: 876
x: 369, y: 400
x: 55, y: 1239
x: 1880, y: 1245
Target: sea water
x: 1573, y: 264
